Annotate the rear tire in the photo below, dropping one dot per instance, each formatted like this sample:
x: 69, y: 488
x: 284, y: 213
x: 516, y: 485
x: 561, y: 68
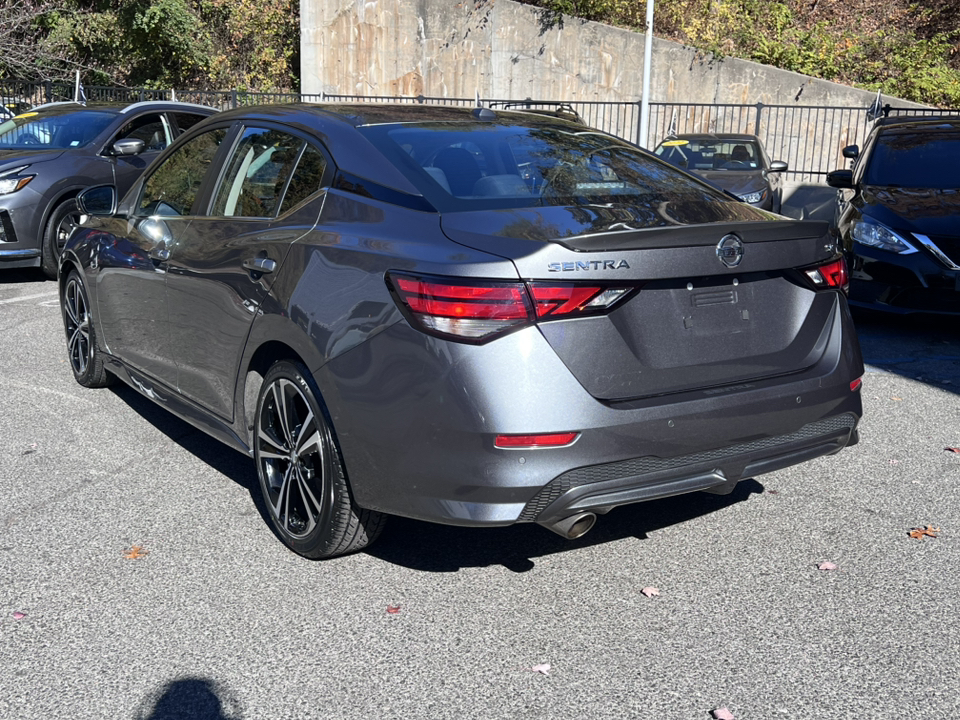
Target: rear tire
x: 86, y: 358
x: 63, y: 222
x: 301, y: 470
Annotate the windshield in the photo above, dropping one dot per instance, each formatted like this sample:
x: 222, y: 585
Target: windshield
x: 53, y: 128
x: 467, y: 166
x: 915, y: 160
x: 710, y: 154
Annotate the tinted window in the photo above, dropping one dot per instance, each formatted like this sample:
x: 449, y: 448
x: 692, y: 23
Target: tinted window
x: 915, y: 159
x: 185, y: 121
x: 467, y: 166
x: 257, y: 174
x: 172, y: 188
x: 58, y: 127
x: 149, y: 128
x: 307, y: 178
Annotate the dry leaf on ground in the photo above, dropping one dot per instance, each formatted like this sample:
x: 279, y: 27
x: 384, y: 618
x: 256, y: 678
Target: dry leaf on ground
x: 920, y: 533
x: 542, y: 668
x: 952, y: 449
x: 650, y: 591
x: 17, y: 615
x: 393, y: 609
x: 826, y: 565
x: 723, y: 714
x: 135, y: 553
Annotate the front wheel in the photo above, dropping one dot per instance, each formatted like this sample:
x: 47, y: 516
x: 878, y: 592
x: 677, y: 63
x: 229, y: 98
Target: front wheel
x: 64, y: 221
x: 301, y: 471
x: 86, y: 359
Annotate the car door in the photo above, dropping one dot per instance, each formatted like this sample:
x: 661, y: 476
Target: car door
x: 224, y: 263
x: 132, y: 267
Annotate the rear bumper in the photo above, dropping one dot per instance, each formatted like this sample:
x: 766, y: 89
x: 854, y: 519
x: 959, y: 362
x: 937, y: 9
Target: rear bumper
x: 416, y: 419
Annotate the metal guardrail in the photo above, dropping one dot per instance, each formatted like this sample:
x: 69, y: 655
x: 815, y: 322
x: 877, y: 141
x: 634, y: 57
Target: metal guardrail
x: 808, y: 138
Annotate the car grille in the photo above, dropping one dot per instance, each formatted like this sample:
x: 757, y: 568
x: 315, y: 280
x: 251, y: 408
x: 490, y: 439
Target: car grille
x: 651, y: 464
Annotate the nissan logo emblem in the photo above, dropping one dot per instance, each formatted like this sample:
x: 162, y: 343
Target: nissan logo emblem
x: 730, y: 250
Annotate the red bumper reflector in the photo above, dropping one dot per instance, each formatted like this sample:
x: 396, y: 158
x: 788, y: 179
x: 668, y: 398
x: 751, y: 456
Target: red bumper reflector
x: 533, y: 441
x: 855, y: 385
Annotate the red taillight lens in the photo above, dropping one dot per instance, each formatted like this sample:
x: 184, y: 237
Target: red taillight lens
x: 833, y: 274
x: 535, y: 441
x: 477, y: 311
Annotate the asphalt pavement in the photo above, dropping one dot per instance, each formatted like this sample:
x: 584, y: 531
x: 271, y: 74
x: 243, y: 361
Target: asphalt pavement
x: 212, y: 618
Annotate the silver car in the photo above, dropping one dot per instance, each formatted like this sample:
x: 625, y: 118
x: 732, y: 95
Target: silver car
x: 465, y: 316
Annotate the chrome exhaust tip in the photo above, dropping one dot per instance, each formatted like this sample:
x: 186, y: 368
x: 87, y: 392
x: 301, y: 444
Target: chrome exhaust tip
x: 573, y: 526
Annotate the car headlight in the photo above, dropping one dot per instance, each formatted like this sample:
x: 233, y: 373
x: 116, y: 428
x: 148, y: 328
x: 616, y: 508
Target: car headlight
x: 12, y: 180
x: 868, y: 232
x: 753, y: 197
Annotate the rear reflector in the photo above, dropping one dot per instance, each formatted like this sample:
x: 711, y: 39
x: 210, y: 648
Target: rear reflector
x: 855, y: 385
x: 535, y: 441
x: 477, y: 311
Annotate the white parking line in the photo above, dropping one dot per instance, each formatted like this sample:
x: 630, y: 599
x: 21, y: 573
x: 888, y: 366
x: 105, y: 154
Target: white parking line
x: 23, y: 298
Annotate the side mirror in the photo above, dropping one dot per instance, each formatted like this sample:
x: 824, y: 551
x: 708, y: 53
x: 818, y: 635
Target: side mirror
x: 99, y: 201
x: 778, y: 166
x: 840, y: 179
x: 851, y: 151
x: 128, y: 146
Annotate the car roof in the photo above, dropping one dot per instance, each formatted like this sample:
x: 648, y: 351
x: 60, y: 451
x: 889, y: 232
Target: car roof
x: 713, y: 137
x: 919, y: 122
x: 360, y: 114
x: 122, y: 108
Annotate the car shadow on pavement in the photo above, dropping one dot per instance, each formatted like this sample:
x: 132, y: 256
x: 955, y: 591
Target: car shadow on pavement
x: 441, y: 548
x: 22, y: 275
x: 191, y: 698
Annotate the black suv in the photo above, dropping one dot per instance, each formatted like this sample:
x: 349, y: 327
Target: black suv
x: 898, y: 215
x: 52, y: 152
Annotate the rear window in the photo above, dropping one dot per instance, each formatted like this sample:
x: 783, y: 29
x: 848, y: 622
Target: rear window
x: 915, y: 160
x: 474, y: 166
x: 54, y: 128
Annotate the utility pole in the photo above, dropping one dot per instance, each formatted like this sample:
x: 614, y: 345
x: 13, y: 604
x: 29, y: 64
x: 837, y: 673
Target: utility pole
x: 645, y: 99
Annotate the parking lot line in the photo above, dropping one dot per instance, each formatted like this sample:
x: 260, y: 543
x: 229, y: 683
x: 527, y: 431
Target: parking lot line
x: 23, y: 298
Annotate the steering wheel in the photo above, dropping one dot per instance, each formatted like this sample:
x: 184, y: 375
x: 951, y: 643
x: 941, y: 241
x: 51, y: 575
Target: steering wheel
x: 734, y: 164
x: 29, y: 139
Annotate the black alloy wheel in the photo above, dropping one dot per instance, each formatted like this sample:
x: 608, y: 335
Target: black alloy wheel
x: 301, y: 471
x: 86, y: 360
x: 64, y: 221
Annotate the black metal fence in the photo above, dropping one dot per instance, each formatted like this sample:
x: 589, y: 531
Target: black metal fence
x: 808, y: 138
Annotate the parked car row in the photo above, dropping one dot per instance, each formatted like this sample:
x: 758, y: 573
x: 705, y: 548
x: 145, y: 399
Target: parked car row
x: 468, y: 316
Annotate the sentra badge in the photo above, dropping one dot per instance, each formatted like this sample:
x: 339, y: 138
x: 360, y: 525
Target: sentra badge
x: 588, y: 265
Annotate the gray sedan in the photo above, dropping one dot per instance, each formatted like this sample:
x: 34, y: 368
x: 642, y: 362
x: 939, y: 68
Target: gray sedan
x: 52, y: 152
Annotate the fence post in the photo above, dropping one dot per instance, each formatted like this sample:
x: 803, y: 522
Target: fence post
x: 756, y: 124
x: 640, y: 141
x: 233, y: 99
x: 48, y: 91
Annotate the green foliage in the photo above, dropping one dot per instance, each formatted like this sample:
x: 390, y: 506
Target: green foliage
x: 906, y: 59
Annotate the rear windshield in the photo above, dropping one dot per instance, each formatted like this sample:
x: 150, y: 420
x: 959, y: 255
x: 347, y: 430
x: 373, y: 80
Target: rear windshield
x: 704, y: 154
x: 54, y: 128
x: 915, y: 160
x: 475, y: 166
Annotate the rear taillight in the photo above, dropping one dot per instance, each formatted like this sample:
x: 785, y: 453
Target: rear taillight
x: 830, y: 275
x: 479, y: 310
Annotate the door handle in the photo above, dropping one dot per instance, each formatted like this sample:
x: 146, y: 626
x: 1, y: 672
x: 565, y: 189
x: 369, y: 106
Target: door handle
x: 260, y: 264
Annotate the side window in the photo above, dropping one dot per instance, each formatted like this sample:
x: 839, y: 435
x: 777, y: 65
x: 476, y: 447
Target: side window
x: 306, y: 179
x: 185, y: 121
x: 152, y: 129
x: 257, y: 174
x: 172, y: 188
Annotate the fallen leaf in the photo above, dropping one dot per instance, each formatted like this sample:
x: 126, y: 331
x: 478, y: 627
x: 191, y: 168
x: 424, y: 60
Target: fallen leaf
x: 920, y: 533
x: 897, y: 398
x: 650, y: 591
x: 894, y: 462
x: 723, y: 714
x: 953, y: 450
x: 136, y: 552
x: 542, y: 668
x: 393, y: 609
x: 773, y: 492
x: 17, y: 615
x: 31, y: 448
x: 826, y: 565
